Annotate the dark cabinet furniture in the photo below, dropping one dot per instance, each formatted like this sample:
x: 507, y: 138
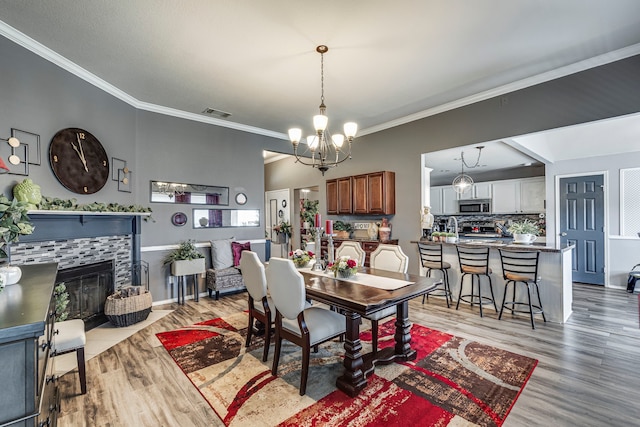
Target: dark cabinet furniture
x: 366, y: 194
x: 367, y: 245
x: 27, y: 316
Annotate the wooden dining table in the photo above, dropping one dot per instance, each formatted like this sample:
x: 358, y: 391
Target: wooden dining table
x: 355, y: 300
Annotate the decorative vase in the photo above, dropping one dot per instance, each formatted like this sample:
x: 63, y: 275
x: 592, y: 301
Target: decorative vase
x: 385, y: 234
x: 300, y: 263
x: 344, y: 274
x: 13, y: 273
x: 372, y: 232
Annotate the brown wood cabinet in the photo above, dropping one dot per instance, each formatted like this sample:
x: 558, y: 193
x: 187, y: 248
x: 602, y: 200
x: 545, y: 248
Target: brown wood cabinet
x: 367, y: 245
x: 366, y: 194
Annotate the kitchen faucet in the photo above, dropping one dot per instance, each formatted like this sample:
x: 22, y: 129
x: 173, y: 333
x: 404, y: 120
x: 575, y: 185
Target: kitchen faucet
x: 455, y: 224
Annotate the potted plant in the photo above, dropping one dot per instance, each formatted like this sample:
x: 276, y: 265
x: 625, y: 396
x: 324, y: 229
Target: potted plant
x: 308, y: 211
x: 435, y: 236
x: 185, y: 260
x: 342, y: 229
x: 450, y: 237
x: 524, y: 231
x: 284, y: 231
x: 301, y: 258
x: 14, y: 223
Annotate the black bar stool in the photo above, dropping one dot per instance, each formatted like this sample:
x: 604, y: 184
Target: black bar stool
x: 521, y: 267
x: 474, y: 262
x: 431, y: 258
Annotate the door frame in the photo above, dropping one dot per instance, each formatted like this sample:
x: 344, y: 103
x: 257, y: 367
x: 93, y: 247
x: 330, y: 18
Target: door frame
x: 605, y: 181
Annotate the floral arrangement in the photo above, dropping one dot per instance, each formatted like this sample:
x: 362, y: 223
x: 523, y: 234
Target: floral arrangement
x: 284, y: 227
x: 301, y: 258
x: 14, y: 222
x: 344, y: 267
x: 524, y: 227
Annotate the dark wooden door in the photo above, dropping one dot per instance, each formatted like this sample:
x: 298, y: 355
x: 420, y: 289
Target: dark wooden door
x: 582, y: 223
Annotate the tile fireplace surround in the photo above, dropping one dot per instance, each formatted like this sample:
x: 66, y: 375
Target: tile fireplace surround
x: 78, y: 238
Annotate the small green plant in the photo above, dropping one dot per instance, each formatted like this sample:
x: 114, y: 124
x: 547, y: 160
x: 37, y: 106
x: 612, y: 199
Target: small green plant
x: 186, y: 251
x: 524, y: 227
x: 284, y: 227
x: 308, y: 211
x: 14, y: 222
x: 62, y: 301
x: 342, y: 226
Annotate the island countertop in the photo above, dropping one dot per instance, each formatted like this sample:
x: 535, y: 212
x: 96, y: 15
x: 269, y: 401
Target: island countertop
x: 499, y: 244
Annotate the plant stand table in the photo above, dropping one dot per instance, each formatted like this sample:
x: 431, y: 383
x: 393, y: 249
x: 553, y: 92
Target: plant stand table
x: 183, y: 268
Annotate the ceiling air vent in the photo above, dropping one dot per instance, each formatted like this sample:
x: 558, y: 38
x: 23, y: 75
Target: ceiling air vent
x: 214, y: 112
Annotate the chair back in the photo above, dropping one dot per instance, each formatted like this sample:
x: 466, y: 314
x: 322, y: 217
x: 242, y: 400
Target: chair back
x: 431, y: 255
x: 286, y: 287
x: 390, y: 258
x: 473, y: 259
x: 519, y: 266
x: 353, y: 250
x: 253, y: 275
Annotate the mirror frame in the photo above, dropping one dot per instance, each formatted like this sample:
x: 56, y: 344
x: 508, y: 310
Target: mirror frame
x: 177, y: 196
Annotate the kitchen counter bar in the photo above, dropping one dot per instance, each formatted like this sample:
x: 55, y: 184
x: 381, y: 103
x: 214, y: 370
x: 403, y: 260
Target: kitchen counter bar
x: 554, y: 268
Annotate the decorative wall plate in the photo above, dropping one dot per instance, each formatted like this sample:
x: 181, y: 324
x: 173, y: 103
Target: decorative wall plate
x: 241, y: 198
x: 179, y: 219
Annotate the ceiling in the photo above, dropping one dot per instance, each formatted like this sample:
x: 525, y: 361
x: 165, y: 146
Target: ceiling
x: 256, y: 59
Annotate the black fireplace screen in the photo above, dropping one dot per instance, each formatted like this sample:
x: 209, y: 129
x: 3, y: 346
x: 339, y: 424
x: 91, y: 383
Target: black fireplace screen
x: 88, y: 287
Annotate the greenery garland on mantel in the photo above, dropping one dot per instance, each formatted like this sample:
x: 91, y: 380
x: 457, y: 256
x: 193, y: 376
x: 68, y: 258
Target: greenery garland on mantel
x: 55, y: 204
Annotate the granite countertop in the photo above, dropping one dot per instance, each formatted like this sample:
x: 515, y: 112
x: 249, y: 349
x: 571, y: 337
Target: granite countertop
x: 498, y: 244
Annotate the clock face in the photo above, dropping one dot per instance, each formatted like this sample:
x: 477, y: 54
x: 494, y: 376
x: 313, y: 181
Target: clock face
x: 79, y: 161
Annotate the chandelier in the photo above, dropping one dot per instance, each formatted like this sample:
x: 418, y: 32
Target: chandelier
x: 327, y: 150
x: 463, y: 182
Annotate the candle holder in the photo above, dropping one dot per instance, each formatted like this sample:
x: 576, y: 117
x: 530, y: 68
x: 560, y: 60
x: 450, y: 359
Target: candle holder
x: 318, y: 264
x: 330, y: 248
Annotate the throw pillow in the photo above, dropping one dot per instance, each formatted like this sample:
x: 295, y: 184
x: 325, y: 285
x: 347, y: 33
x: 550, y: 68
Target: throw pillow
x: 237, y: 249
x: 221, y: 254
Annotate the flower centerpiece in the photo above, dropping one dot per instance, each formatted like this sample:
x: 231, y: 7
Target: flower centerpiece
x: 301, y: 258
x: 344, y: 267
x: 524, y: 232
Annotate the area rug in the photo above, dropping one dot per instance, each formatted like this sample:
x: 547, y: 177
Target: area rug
x: 453, y: 381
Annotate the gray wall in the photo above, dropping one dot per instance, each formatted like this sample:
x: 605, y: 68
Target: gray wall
x: 607, y: 91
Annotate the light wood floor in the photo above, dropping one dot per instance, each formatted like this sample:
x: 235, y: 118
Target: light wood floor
x: 588, y: 372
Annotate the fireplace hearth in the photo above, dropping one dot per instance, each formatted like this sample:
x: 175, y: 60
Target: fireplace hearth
x: 88, y: 287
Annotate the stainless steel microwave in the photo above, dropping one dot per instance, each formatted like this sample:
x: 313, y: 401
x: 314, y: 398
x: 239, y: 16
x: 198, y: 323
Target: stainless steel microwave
x: 474, y: 206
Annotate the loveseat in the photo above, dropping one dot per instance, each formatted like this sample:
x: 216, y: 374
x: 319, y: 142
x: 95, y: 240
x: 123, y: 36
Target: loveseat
x: 224, y: 274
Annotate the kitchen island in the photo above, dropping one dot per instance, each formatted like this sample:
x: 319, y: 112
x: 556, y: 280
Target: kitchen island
x: 554, y: 269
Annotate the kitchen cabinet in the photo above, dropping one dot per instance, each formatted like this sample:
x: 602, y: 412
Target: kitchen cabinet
x: 444, y: 200
x: 30, y: 395
x: 479, y: 190
x: 366, y: 194
x: 519, y: 196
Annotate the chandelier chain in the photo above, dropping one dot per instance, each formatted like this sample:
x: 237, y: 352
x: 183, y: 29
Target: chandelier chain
x: 477, y: 160
x: 322, y: 81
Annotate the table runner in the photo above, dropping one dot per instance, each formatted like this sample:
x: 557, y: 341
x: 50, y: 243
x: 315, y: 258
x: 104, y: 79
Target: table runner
x: 365, y: 279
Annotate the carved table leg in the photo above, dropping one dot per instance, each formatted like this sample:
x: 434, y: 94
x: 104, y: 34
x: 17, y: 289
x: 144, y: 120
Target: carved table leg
x: 352, y: 380
x: 402, y: 336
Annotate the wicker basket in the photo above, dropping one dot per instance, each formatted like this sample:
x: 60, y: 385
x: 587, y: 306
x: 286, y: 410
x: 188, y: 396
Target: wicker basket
x: 129, y: 310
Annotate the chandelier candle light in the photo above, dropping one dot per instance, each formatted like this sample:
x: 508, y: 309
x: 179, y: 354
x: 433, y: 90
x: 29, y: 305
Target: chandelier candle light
x: 324, y: 147
x: 463, y: 182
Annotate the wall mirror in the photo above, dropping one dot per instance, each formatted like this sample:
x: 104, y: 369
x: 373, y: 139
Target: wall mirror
x: 218, y: 218
x: 175, y: 192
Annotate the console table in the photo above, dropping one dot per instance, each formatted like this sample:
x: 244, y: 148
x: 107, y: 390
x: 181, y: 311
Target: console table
x: 27, y: 315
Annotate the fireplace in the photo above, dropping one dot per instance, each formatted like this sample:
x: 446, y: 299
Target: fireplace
x: 88, y: 287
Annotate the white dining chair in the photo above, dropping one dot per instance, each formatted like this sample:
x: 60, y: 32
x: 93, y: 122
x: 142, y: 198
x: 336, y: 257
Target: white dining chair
x: 353, y: 250
x: 70, y: 337
x: 295, y: 321
x: 260, y: 305
x: 390, y: 258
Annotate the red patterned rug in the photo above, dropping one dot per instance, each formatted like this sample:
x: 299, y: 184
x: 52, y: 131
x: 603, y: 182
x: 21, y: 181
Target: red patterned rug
x: 453, y: 381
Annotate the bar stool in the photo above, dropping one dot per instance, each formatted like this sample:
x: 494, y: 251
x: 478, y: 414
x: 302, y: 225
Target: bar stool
x: 474, y: 262
x: 431, y: 258
x: 521, y: 267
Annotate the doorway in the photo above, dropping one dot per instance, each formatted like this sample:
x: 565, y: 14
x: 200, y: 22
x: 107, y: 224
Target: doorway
x: 581, y: 206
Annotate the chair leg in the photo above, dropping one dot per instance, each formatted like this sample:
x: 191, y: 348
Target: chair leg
x: 447, y: 288
x: 504, y: 298
x: 533, y: 325
x: 82, y: 373
x: 249, y: 329
x: 479, y: 293
x: 306, y: 354
x: 460, y: 291
x: 493, y: 297
x: 540, y: 303
x: 374, y: 337
x: 276, y: 354
x: 267, y: 341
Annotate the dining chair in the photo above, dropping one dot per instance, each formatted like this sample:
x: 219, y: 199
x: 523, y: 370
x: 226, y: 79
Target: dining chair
x: 260, y: 305
x: 521, y: 267
x: 295, y: 321
x: 353, y: 250
x: 474, y: 262
x: 432, y: 259
x: 390, y: 258
x: 70, y: 337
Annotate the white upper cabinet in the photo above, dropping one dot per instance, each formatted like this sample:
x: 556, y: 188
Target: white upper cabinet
x: 506, y: 197
x: 443, y: 200
x: 532, y: 195
x: 519, y: 196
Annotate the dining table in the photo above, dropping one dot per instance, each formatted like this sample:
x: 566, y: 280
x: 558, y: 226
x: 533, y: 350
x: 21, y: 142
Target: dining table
x: 369, y: 291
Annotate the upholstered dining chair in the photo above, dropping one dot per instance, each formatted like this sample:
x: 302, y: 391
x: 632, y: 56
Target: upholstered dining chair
x: 390, y: 258
x: 70, y: 337
x: 260, y: 305
x: 305, y: 327
x: 353, y: 250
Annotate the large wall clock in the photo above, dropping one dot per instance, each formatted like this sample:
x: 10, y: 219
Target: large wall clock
x: 79, y: 160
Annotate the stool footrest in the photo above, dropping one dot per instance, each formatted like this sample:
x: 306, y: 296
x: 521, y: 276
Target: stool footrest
x: 475, y: 299
x: 538, y: 309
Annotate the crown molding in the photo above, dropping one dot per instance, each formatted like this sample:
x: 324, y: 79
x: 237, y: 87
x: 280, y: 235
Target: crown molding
x: 64, y: 63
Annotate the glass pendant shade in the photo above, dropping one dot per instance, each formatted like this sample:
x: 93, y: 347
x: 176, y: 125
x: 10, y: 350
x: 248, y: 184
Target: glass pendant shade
x: 338, y: 140
x: 295, y: 134
x: 462, y: 183
x: 312, y: 142
x: 350, y: 129
x: 320, y: 122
